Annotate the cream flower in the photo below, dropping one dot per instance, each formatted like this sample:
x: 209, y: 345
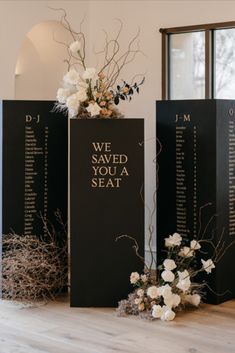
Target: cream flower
x: 94, y: 109
x: 172, y: 301
x: 89, y: 74
x: 193, y: 299
x: 208, y: 265
x: 173, y: 240
x: 157, y: 311
x: 144, y: 278
x: 168, y: 276
x: 195, y: 245
x: 75, y: 47
x: 82, y: 95
x: 138, y: 301
x: 165, y: 291
x: 152, y: 292
x: 169, y: 264
x: 62, y: 95
x: 140, y: 292
x: 134, y: 277
x: 141, y: 307
x: 72, y: 77
x: 72, y: 104
x: 186, y: 252
x: 167, y: 314
x: 82, y: 84
x: 184, y: 282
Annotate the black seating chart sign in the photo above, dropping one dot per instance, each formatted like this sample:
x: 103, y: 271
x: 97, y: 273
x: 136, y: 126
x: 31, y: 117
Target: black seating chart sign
x: 106, y: 183
x: 197, y: 169
x: 33, y: 166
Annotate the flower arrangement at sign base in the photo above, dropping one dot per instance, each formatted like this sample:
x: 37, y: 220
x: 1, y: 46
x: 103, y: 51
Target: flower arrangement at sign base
x: 162, y: 293
x: 89, y: 92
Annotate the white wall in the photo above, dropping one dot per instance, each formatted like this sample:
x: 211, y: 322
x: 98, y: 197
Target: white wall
x: 18, y: 17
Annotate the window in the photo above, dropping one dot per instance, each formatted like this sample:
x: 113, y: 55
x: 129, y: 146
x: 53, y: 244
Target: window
x: 199, y: 61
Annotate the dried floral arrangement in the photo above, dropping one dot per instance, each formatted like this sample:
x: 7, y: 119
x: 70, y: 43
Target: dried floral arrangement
x: 90, y: 92
x: 32, y: 268
x: 164, y: 289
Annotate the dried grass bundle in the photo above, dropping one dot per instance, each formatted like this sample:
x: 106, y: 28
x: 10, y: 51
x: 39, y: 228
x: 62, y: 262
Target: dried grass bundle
x: 33, y: 268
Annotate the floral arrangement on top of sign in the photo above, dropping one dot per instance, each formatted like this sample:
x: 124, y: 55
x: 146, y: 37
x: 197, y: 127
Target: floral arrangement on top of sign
x: 90, y: 92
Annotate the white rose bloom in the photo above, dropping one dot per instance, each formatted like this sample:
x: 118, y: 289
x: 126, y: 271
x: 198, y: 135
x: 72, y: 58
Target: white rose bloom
x: 168, y: 276
x: 72, y: 104
x: 166, y: 291
x: 167, y: 314
x: 90, y: 74
x: 82, y: 84
x: 184, y: 281
x: 140, y: 292
x: 195, y: 245
x: 173, y: 240
x: 152, y: 292
x: 169, y: 264
x: 75, y: 47
x: 208, y: 265
x: 144, y: 278
x: 157, y: 311
x: 186, y: 252
x: 193, y: 299
x: 82, y: 95
x: 62, y: 95
x: 94, y: 109
x: 72, y: 77
x: 172, y: 301
x: 134, y: 277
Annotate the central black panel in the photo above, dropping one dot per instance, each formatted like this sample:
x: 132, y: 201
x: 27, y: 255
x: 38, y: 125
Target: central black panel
x: 107, y: 178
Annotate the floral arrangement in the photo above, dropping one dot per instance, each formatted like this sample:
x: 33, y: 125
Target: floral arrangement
x: 162, y: 293
x: 89, y: 92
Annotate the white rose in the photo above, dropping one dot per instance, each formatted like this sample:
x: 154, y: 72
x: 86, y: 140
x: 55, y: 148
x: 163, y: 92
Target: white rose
x: 152, y: 292
x: 82, y: 95
x: 186, y: 252
x: 167, y: 314
x: 89, y: 74
x: 72, y: 77
x: 140, y: 292
x: 62, y: 95
x: 75, y: 46
x: 172, y: 301
x: 72, y: 104
x: 82, y: 84
x: 168, y: 276
x: 94, y: 109
x: 144, y: 278
x: 184, y: 281
x: 173, y: 240
x: 193, y: 299
x: 134, y: 277
x: 195, y: 245
x: 208, y: 265
x: 166, y: 291
x: 157, y: 311
x: 169, y: 264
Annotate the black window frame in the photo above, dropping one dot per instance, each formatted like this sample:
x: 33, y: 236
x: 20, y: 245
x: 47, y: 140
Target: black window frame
x: 209, y: 29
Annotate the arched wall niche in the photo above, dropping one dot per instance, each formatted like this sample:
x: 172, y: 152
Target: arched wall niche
x: 40, y: 64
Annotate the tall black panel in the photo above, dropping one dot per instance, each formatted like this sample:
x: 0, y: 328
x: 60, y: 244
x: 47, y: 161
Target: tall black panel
x: 107, y: 178
x: 197, y: 175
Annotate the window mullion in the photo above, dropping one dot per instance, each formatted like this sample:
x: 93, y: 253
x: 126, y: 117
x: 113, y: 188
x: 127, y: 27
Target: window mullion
x: 208, y: 64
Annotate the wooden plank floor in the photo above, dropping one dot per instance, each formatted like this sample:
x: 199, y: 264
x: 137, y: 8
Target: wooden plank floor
x: 57, y: 328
